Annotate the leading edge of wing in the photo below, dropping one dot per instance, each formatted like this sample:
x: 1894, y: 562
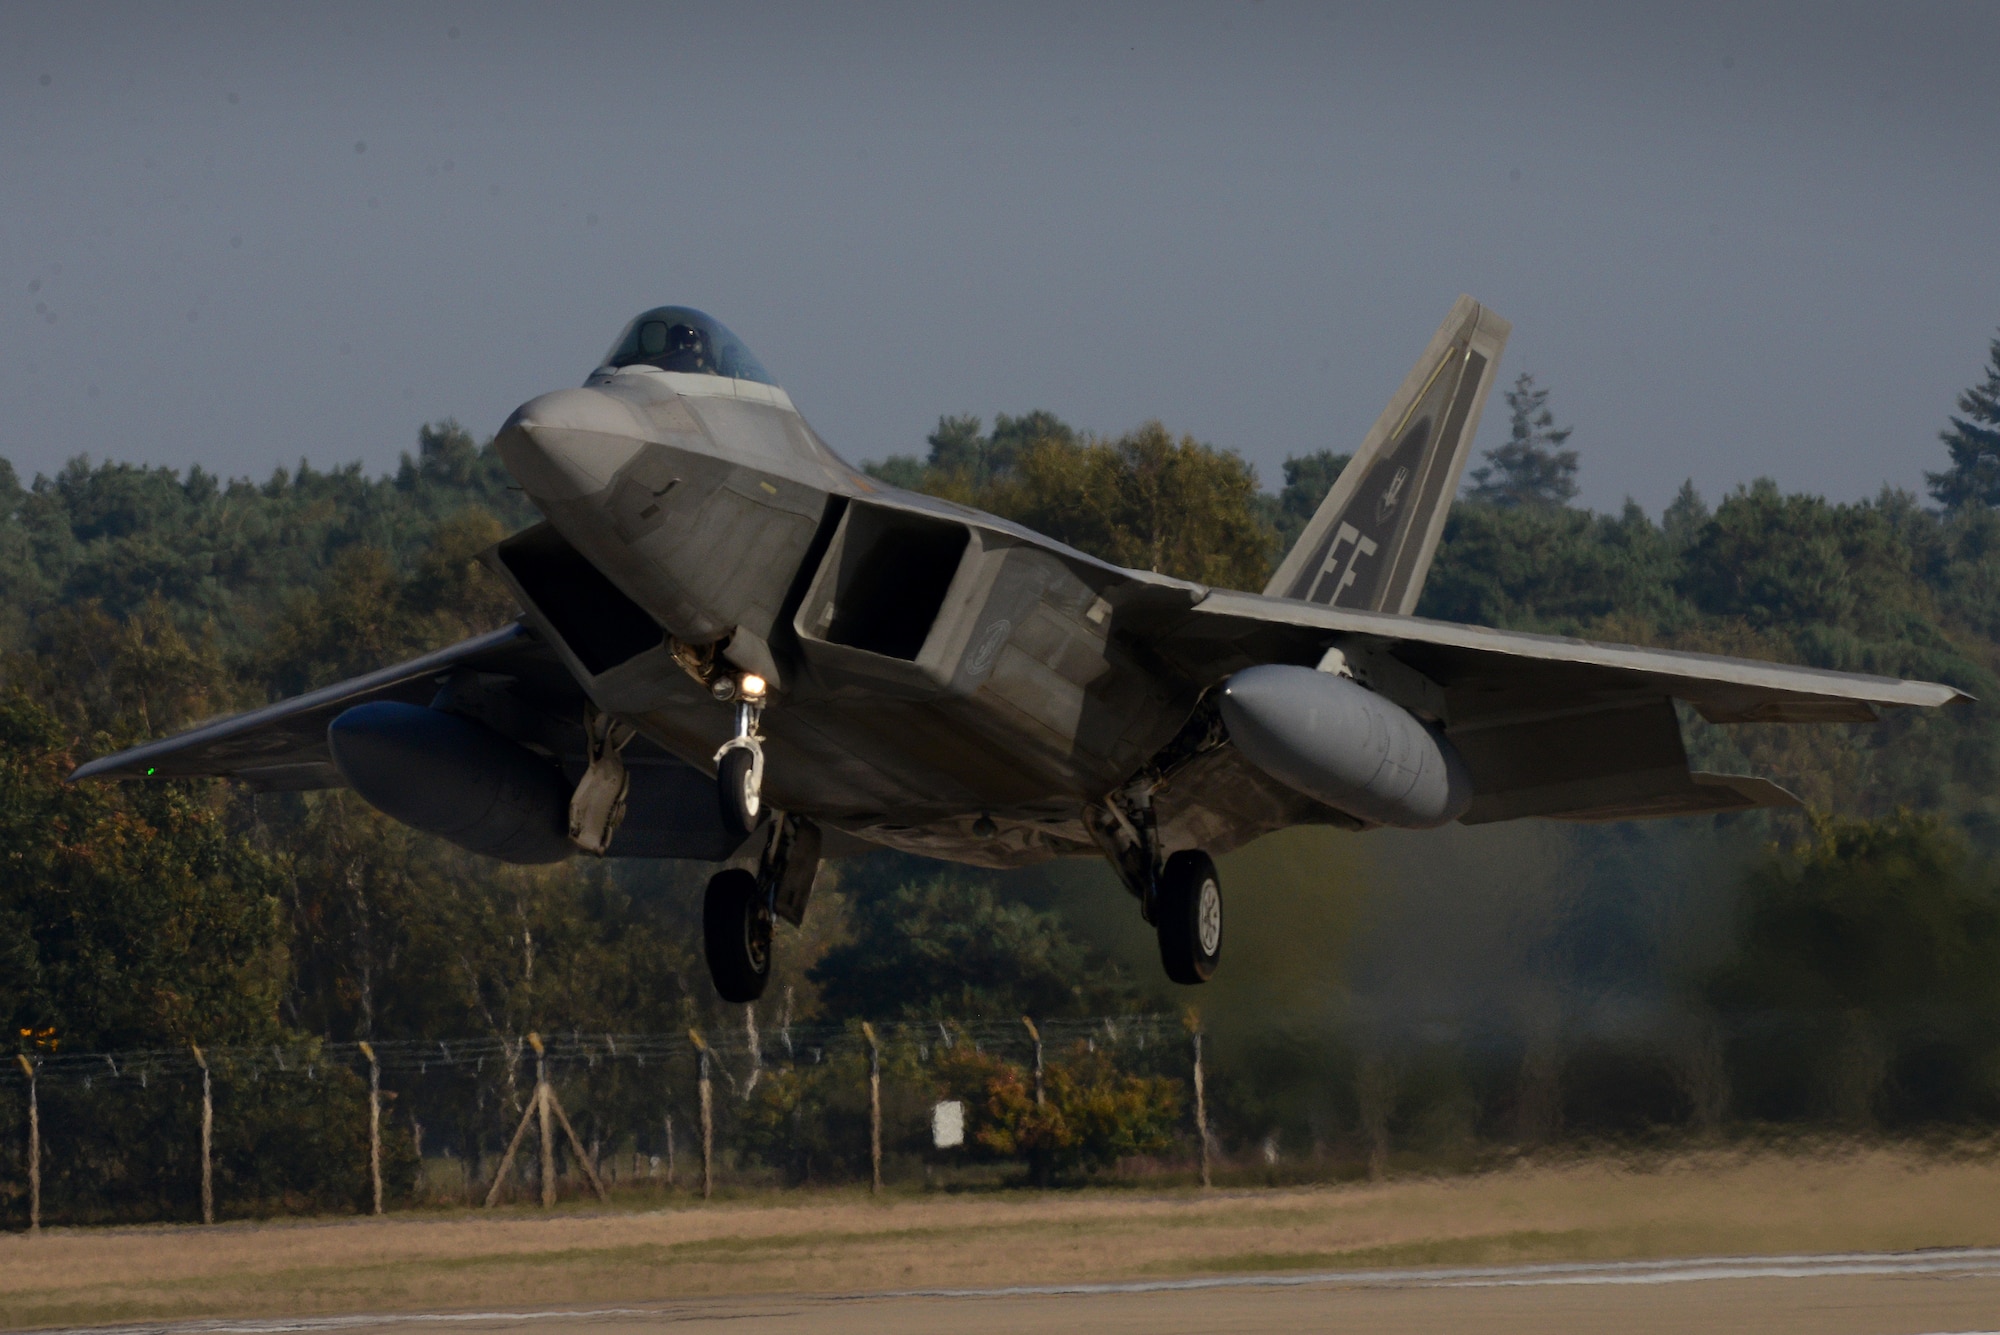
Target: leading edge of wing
x: 1679, y: 665
x: 136, y: 760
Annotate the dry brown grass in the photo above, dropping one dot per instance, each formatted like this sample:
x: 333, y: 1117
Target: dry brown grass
x: 1767, y: 1202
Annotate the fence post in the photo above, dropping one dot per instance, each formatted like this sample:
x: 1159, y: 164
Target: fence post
x: 670, y: 1150
x: 1200, y: 1095
x: 584, y: 1160
x: 874, y: 1110
x: 34, y: 1148
x: 548, y: 1130
x: 1036, y: 1034
x: 374, y: 1123
x: 707, y: 1115
x: 207, y: 1139
x: 507, y: 1159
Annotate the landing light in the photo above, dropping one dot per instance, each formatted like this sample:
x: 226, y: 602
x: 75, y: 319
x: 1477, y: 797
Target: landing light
x: 753, y: 685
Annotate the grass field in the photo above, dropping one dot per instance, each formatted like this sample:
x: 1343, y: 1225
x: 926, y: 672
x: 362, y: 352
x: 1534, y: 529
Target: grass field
x: 826, y: 1242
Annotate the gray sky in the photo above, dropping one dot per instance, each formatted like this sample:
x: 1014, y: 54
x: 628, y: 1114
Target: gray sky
x: 1734, y: 240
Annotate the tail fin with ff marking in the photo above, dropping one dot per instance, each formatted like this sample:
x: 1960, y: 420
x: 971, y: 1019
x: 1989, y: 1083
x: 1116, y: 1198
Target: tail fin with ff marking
x: 1370, y: 543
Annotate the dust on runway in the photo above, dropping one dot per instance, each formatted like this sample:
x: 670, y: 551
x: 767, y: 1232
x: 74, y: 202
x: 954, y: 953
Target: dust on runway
x: 1923, y: 1293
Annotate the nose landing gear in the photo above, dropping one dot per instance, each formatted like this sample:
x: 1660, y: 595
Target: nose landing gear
x: 739, y: 765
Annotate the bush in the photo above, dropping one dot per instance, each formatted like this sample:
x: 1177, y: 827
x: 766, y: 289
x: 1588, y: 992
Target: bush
x: 1091, y: 1116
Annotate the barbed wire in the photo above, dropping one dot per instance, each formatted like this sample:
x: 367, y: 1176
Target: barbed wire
x: 565, y: 1053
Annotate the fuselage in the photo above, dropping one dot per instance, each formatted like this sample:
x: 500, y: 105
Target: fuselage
x: 941, y: 680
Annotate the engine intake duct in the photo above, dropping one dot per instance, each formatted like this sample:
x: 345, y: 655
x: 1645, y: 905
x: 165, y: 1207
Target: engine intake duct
x: 1339, y: 742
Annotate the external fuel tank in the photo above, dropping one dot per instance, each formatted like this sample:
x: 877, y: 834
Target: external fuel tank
x: 1335, y: 740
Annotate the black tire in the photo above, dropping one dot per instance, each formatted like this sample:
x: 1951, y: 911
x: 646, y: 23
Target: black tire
x: 736, y: 932
x: 742, y: 804
x: 1189, y: 917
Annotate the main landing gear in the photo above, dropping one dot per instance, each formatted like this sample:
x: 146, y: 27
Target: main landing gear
x: 742, y: 906
x: 1187, y: 914
x: 1181, y: 895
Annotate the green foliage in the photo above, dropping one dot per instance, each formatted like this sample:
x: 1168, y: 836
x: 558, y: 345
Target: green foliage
x: 1867, y: 958
x: 812, y: 1121
x: 128, y: 917
x: 123, y: 535
x: 1869, y: 915
x: 1092, y: 1114
x: 1796, y: 561
x: 1974, y: 442
x: 1146, y: 500
x: 367, y: 612
x: 942, y: 944
x: 1552, y: 569
x: 119, y: 1153
x: 1531, y: 469
x: 963, y: 460
x: 396, y: 934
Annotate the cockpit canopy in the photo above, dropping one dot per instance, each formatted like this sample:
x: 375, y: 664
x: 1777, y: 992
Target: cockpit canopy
x: 680, y: 338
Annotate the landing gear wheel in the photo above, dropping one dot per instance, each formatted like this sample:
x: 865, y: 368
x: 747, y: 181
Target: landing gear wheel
x: 736, y: 931
x: 1188, y: 916
x: 736, y: 783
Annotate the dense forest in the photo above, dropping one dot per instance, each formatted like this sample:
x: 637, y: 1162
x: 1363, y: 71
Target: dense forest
x: 1470, y: 987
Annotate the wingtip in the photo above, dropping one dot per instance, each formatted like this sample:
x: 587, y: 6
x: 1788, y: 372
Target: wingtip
x: 90, y: 769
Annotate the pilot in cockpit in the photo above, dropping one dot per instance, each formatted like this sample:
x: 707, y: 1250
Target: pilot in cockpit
x: 680, y: 338
x: 676, y: 347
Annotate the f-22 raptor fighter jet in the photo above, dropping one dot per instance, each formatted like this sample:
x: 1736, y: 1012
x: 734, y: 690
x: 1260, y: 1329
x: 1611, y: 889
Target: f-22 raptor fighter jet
x: 734, y: 647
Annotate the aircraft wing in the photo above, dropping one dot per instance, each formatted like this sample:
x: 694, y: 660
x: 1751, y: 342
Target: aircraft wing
x: 282, y: 746
x: 1549, y: 726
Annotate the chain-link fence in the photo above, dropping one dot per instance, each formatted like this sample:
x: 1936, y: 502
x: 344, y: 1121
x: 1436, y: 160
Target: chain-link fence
x: 187, y: 1133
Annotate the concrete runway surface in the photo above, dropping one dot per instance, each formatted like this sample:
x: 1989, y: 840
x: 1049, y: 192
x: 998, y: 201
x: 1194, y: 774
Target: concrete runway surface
x: 1912, y: 1293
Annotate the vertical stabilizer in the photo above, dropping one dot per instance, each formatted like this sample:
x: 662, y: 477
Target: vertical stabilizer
x: 1370, y: 543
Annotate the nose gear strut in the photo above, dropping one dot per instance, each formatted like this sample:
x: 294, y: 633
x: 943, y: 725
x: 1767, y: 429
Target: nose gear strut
x: 739, y: 764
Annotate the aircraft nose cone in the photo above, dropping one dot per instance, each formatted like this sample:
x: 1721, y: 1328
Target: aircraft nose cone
x: 569, y: 444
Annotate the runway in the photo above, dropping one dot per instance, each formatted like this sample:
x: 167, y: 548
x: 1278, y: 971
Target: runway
x: 1938, y: 1292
